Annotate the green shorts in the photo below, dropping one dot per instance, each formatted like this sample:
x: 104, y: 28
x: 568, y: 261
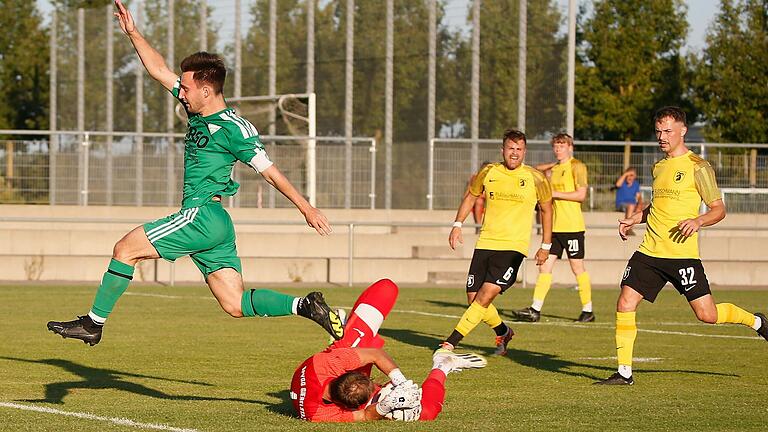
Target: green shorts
x: 204, y: 233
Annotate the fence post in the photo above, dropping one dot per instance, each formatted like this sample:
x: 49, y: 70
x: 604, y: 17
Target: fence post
x: 372, y: 150
x: 86, y: 166
x: 312, y: 149
x: 9, y: 162
x: 351, y: 253
x: 431, y: 174
x: 52, y: 111
x: 53, y: 148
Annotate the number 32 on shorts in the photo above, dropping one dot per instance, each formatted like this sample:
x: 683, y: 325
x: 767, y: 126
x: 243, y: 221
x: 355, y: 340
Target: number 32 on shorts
x: 687, y: 276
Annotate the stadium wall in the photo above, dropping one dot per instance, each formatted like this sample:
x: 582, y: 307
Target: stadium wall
x: 73, y: 243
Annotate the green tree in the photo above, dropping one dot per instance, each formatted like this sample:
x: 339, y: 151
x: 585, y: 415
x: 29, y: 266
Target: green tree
x: 629, y: 64
x: 730, y: 75
x: 545, y: 82
x: 186, y: 41
x: 23, y: 77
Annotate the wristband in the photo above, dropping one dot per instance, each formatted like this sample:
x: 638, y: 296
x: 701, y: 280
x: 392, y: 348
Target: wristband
x: 457, y: 224
x: 379, y: 409
x: 546, y: 246
x: 397, y: 377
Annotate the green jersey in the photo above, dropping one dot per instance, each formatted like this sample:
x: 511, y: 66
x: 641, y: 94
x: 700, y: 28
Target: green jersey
x: 211, y: 147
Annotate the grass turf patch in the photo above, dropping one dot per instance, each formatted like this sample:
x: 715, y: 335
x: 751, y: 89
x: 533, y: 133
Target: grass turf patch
x: 170, y: 356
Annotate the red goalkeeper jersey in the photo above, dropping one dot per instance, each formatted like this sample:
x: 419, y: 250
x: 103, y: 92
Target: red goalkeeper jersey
x: 311, y: 378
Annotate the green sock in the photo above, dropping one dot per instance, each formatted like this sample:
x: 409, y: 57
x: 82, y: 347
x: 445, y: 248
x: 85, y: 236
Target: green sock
x: 266, y: 303
x: 113, y: 285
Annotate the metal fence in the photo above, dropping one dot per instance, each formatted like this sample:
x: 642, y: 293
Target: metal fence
x: 741, y: 170
x: 121, y: 168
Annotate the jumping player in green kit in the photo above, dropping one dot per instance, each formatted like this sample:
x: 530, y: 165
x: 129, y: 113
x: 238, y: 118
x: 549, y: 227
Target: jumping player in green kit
x: 216, y: 139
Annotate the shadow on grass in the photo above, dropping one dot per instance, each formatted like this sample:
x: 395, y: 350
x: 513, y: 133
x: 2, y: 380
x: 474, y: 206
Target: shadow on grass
x: 511, y: 315
x: 446, y: 304
x: 284, y: 406
x: 532, y: 359
x: 508, y: 314
x: 97, y: 378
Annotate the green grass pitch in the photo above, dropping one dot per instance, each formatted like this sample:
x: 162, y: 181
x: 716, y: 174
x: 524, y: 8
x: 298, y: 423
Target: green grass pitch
x: 171, y: 358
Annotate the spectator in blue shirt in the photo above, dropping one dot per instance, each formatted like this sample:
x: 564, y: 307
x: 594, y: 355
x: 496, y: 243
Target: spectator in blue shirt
x: 628, y: 196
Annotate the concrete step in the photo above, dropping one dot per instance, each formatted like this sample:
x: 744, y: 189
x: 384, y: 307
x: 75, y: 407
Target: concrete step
x: 336, y: 270
x: 447, y: 277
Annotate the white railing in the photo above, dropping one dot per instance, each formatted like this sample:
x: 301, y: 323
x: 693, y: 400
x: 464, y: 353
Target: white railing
x: 452, y: 161
x: 114, y: 168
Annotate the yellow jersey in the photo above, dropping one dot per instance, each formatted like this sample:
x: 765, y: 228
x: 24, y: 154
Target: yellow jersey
x: 680, y: 184
x: 510, y: 198
x: 567, y: 177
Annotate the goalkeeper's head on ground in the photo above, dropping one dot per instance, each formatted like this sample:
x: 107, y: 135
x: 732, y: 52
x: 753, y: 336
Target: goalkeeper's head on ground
x: 352, y: 389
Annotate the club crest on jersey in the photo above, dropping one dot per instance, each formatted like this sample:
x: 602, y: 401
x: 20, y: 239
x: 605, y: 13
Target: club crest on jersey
x: 679, y: 176
x: 470, y: 281
x: 522, y: 182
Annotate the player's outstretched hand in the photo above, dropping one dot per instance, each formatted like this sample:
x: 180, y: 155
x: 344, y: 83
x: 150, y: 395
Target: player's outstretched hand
x: 455, y: 238
x: 541, y: 256
x: 405, y: 395
x: 624, y: 226
x: 127, y: 25
x: 317, y: 220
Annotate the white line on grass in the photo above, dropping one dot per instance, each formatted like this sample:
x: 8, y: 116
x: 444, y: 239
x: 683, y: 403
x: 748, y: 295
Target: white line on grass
x: 115, y: 420
x: 165, y: 296
x: 551, y: 323
x: 570, y: 324
x: 634, y: 359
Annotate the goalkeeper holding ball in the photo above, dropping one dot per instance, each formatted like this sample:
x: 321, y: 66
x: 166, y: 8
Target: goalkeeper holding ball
x: 335, y: 385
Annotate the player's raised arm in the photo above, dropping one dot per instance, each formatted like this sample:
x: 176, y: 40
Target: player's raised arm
x: 314, y: 217
x: 152, y: 60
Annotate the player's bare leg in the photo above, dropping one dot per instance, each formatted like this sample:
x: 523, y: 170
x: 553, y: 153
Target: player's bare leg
x: 705, y: 309
x: 227, y: 286
x: 721, y: 313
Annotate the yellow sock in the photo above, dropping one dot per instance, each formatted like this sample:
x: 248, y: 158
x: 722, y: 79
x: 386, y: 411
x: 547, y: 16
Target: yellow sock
x: 626, y: 332
x: 543, y: 283
x: 471, y: 318
x: 730, y: 313
x: 492, y: 317
x: 585, y: 288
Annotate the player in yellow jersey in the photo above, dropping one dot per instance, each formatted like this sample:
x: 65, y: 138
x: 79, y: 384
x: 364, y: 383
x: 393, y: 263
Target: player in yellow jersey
x: 670, y: 251
x: 569, y: 189
x: 511, y: 190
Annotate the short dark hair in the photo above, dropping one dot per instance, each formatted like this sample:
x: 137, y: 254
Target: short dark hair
x: 351, y: 389
x: 208, y: 68
x: 564, y: 138
x: 514, y: 135
x: 673, y: 112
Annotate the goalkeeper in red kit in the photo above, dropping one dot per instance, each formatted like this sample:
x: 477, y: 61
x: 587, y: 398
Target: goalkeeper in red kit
x: 335, y: 385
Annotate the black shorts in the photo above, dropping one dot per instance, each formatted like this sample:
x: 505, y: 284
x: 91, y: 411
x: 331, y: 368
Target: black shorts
x: 497, y: 267
x: 571, y: 242
x: 648, y: 275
